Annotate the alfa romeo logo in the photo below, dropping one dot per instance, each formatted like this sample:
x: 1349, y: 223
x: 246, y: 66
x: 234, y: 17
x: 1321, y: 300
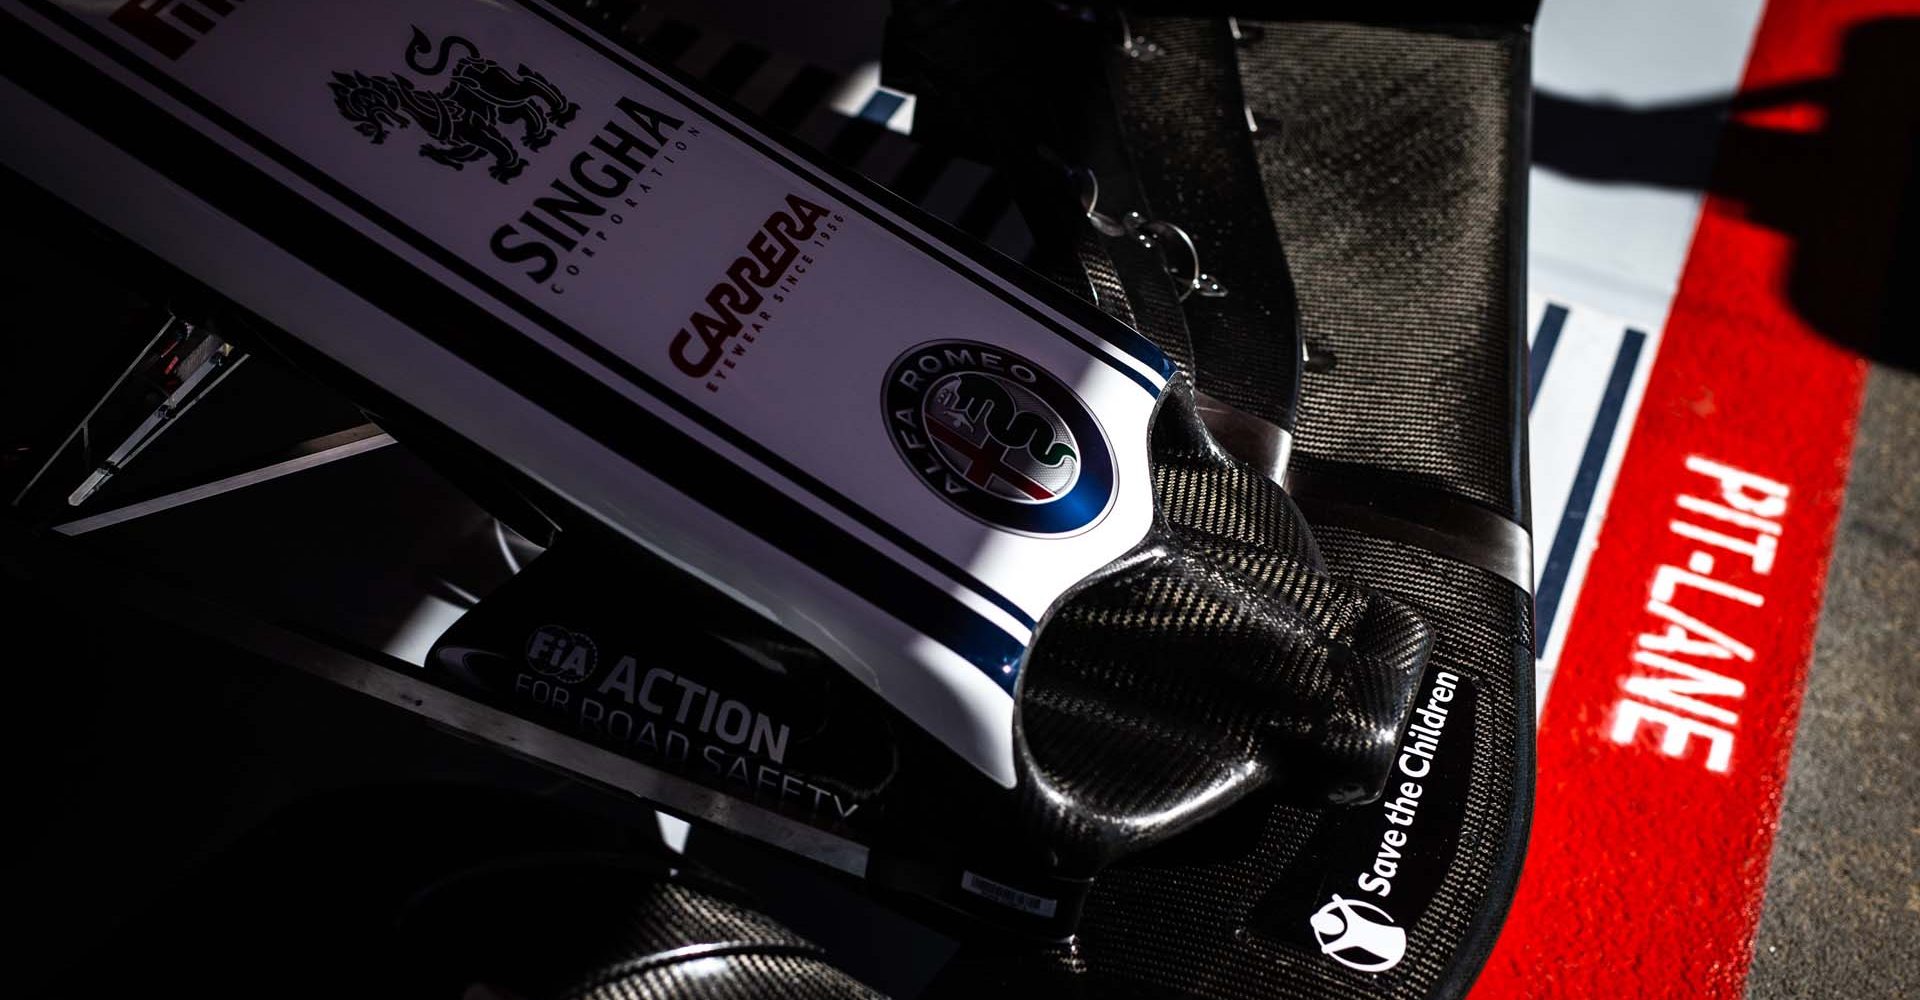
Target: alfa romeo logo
x: 999, y: 437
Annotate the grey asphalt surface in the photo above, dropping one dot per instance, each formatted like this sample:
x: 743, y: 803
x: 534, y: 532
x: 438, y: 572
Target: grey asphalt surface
x: 1842, y: 910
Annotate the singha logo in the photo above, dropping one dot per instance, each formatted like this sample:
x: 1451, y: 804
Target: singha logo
x: 462, y: 121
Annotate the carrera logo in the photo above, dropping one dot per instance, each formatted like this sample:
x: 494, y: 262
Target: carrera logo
x: 1358, y: 935
x: 772, y: 255
x: 170, y: 27
x: 463, y: 120
x: 999, y: 437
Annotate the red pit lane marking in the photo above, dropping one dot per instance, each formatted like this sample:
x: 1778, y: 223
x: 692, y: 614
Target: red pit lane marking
x: 1684, y: 656
x: 1664, y: 742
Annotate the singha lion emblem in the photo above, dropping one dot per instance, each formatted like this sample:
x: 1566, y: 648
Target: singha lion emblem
x: 463, y: 121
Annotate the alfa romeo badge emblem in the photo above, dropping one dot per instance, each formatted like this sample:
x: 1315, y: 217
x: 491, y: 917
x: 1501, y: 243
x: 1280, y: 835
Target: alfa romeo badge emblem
x: 999, y: 437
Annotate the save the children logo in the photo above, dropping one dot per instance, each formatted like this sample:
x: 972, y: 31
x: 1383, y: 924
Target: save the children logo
x: 1358, y: 935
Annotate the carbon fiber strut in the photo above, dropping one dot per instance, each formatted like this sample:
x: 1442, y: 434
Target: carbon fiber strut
x: 1134, y: 164
x: 1186, y: 126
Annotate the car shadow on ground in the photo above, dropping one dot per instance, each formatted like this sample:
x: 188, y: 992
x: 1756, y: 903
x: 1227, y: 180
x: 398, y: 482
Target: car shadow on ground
x: 1830, y: 163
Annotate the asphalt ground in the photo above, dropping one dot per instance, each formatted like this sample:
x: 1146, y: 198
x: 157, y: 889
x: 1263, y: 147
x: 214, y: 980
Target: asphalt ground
x: 1842, y: 910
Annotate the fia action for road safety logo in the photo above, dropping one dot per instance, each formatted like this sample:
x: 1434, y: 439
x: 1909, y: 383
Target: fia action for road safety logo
x: 562, y: 654
x: 999, y: 437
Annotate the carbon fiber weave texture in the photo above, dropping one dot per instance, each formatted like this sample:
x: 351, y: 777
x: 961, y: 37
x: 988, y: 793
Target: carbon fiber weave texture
x: 1177, y: 922
x: 1216, y: 658
x: 1389, y: 184
x: 585, y: 927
